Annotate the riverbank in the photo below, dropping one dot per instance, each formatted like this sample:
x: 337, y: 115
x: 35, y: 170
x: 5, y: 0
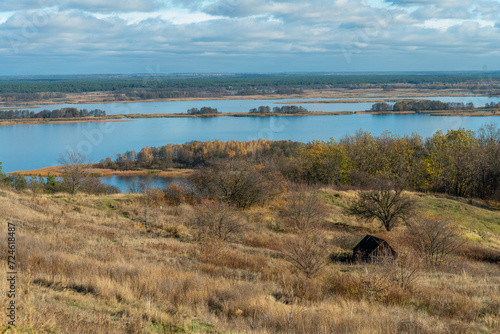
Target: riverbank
x: 478, y: 112
x: 328, y: 93
x: 94, y: 170
x: 60, y: 120
x: 130, y: 117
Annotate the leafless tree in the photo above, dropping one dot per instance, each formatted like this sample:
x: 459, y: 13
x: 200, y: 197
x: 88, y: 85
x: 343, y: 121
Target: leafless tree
x: 404, y: 269
x: 149, y: 195
x: 216, y: 219
x: 388, y: 205
x: 75, y: 170
x: 434, y: 238
x: 303, y: 210
x: 237, y: 183
x: 306, y: 251
x: 214, y: 223
x: 304, y: 213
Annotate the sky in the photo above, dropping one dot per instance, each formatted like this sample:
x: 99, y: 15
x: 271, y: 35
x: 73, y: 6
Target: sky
x: 220, y: 36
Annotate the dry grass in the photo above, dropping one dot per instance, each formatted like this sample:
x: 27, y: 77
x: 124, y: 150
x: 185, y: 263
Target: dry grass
x: 91, y: 267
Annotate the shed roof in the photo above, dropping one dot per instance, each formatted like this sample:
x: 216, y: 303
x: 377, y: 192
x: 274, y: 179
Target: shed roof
x: 368, y: 245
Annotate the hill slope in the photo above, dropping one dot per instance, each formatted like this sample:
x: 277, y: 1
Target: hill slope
x: 87, y: 265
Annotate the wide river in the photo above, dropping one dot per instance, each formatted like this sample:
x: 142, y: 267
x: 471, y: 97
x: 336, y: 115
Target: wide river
x: 245, y: 105
x: 35, y: 146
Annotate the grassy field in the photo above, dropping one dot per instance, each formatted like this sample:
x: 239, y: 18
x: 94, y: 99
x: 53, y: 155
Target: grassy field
x: 87, y: 264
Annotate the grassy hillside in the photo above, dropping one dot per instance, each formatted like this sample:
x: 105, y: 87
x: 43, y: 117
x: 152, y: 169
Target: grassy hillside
x: 88, y: 265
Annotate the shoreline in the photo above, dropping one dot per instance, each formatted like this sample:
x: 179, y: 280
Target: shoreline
x: 57, y: 171
x: 479, y: 112
x: 131, y: 117
x: 103, y: 97
x: 57, y: 121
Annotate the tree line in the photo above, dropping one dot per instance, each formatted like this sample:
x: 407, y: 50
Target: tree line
x: 162, y: 86
x: 56, y: 113
x: 459, y: 162
x: 421, y: 105
x: 279, y: 110
x: 202, y: 111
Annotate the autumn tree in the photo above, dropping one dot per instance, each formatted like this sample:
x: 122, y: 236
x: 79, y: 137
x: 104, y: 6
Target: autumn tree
x: 363, y: 152
x: 145, y: 157
x: 452, y: 161
x: 488, y: 174
x: 388, y: 204
x: 325, y: 162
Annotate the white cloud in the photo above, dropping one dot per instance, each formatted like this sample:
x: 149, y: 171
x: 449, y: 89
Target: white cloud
x: 249, y: 29
x: 88, y: 5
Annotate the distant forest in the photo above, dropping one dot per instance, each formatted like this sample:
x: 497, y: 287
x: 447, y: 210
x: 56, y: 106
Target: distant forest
x: 279, y: 110
x: 57, y: 113
x: 150, y: 87
x: 423, y: 105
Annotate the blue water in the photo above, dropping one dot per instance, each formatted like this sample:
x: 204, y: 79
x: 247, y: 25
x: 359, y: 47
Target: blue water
x: 245, y: 105
x: 24, y: 147
x: 123, y: 182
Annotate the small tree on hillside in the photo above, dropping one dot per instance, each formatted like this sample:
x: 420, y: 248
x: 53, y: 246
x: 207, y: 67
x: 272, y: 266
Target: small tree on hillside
x: 75, y: 170
x: 236, y: 183
x: 150, y: 196
x: 215, y: 223
x: 433, y: 238
x: 217, y: 219
x: 2, y: 175
x: 304, y: 214
x: 387, y: 205
x: 303, y: 210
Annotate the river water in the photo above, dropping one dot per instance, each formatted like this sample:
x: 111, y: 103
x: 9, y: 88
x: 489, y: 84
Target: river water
x: 25, y: 147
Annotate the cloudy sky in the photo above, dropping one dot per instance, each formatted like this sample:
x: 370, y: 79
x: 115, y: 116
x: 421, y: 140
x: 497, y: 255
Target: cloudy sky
x: 185, y: 36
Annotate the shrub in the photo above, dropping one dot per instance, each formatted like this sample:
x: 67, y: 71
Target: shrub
x: 387, y: 205
x: 433, y: 238
x: 238, y: 183
x: 303, y: 210
x: 179, y: 192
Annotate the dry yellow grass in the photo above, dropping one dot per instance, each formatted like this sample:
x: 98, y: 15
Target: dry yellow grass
x: 91, y: 267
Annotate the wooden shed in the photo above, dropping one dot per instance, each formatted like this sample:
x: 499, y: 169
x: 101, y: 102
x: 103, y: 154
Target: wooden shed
x: 372, y: 249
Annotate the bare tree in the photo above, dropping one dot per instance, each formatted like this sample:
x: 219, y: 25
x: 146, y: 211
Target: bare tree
x: 404, y: 269
x: 149, y: 195
x: 75, y: 170
x: 304, y: 213
x: 307, y: 251
x: 216, y: 219
x: 237, y: 183
x: 387, y: 205
x: 215, y: 223
x: 304, y: 209
x: 433, y: 238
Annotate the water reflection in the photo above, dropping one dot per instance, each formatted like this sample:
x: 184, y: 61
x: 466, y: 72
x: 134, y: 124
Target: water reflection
x: 124, y: 183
